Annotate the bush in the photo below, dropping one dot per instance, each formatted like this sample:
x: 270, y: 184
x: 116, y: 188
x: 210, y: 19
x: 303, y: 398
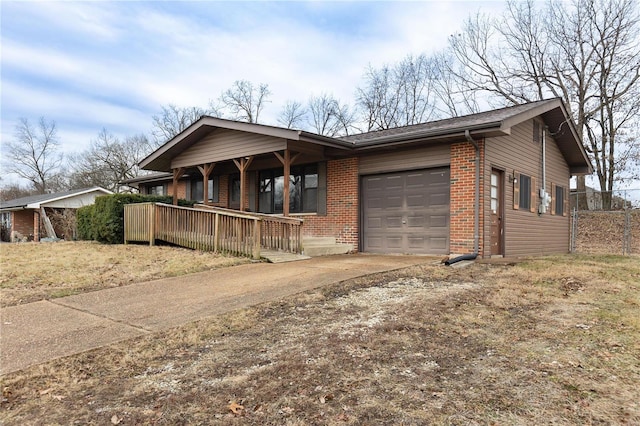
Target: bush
x: 84, y: 217
x: 106, y: 223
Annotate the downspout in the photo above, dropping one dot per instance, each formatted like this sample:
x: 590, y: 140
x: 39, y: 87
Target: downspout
x: 476, y: 218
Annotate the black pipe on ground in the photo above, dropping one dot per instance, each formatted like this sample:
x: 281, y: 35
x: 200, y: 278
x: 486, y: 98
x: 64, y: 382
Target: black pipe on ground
x: 471, y: 256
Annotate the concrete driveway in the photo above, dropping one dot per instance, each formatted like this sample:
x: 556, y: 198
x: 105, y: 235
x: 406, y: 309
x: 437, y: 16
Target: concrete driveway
x: 38, y: 332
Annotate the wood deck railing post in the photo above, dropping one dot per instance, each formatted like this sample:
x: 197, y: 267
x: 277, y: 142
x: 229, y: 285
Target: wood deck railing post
x: 216, y: 232
x: 152, y: 223
x: 256, y: 238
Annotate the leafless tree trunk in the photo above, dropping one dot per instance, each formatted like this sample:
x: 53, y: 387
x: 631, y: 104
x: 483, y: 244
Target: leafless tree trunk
x: 109, y: 161
x: 293, y: 115
x: 174, y: 120
x: 328, y: 117
x: 34, y: 156
x: 245, y: 101
x: 398, y: 95
x: 587, y: 53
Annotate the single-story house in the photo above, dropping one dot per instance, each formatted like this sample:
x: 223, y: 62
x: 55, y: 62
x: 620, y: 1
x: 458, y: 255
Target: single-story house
x: 29, y: 216
x: 494, y: 183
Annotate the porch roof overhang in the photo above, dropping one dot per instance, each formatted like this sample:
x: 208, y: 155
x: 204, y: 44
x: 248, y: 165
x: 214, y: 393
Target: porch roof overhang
x: 161, y: 159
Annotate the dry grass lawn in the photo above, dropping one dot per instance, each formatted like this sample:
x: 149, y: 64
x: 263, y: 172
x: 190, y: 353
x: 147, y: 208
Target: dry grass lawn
x: 31, y: 271
x: 548, y: 341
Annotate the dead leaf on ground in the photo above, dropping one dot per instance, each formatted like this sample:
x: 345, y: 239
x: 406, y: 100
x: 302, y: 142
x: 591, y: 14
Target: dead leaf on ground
x: 235, y: 408
x: 46, y: 391
x: 115, y: 419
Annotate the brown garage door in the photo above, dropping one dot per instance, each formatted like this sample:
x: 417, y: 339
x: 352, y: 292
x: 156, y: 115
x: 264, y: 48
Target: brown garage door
x: 406, y: 212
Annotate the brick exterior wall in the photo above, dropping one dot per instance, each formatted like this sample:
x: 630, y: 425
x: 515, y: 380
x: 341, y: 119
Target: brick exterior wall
x: 342, y: 219
x: 462, y: 196
x: 25, y: 221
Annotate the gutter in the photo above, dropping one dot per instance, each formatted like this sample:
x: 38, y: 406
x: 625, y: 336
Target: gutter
x: 439, y: 133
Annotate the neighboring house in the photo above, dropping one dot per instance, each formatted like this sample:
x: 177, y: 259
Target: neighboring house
x: 404, y: 190
x: 595, y: 200
x: 29, y: 216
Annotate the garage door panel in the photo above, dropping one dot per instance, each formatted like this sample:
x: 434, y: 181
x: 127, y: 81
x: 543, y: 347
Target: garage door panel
x: 439, y: 199
x: 438, y: 221
x: 416, y: 221
x: 394, y: 242
x: 374, y: 223
x: 393, y: 222
x: 416, y: 200
x: 406, y: 212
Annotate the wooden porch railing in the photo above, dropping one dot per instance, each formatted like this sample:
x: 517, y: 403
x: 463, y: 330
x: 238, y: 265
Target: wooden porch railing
x: 211, y: 229
x: 276, y: 232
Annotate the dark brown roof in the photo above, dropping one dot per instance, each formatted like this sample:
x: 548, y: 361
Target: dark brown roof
x: 483, y: 120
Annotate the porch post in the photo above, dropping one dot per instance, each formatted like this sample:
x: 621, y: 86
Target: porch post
x: 177, y: 174
x: 206, y: 170
x: 242, y: 165
x: 286, y: 161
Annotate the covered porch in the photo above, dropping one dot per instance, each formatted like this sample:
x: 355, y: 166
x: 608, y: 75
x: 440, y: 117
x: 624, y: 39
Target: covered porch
x: 248, y: 167
x: 273, y: 178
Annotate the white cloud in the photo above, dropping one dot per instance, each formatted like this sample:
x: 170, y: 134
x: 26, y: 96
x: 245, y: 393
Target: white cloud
x: 112, y: 64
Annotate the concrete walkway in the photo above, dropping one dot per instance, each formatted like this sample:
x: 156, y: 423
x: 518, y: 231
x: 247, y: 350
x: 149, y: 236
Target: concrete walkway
x: 37, y: 332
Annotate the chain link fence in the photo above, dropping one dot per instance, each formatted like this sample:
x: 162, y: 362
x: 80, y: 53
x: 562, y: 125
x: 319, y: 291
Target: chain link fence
x: 605, y: 222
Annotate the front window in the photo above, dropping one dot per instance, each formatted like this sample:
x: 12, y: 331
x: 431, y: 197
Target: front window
x: 156, y: 190
x: 197, y: 190
x: 234, y: 189
x: 303, y: 190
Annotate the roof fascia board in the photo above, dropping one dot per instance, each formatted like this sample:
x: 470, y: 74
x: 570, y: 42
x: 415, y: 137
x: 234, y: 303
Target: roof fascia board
x: 222, y: 124
x: 261, y: 129
x: 574, y: 133
x: 324, y: 140
x: 507, y: 123
x: 37, y: 204
x: 433, y: 135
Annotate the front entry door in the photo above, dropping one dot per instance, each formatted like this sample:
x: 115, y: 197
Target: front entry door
x: 497, y: 212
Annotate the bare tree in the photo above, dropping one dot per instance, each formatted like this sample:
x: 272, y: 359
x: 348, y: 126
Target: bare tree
x: 293, y: 115
x: 398, y: 95
x: 109, y: 161
x: 587, y: 53
x: 452, y: 98
x: 34, y: 155
x: 245, y: 101
x: 11, y: 191
x: 328, y: 117
x: 173, y: 120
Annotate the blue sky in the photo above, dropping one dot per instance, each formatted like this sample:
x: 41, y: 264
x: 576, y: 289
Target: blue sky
x: 89, y: 65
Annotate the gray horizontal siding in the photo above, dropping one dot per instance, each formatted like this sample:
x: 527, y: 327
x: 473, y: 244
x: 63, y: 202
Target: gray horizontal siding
x: 398, y: 160
x: 526, y: 233
x: 224, y: 144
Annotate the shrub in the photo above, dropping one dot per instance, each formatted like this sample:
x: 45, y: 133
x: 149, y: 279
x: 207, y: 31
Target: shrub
x: 107, y: 216
x: 84, y: 217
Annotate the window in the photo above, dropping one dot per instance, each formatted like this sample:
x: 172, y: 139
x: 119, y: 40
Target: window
x: 536, y: 131
x: 558, y: 200
x: 525, y: 192
x: 156, y: 190
x: 303, y: 190
x: 524, y: 195
x: 197, y: 189
x: 234, y: 190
